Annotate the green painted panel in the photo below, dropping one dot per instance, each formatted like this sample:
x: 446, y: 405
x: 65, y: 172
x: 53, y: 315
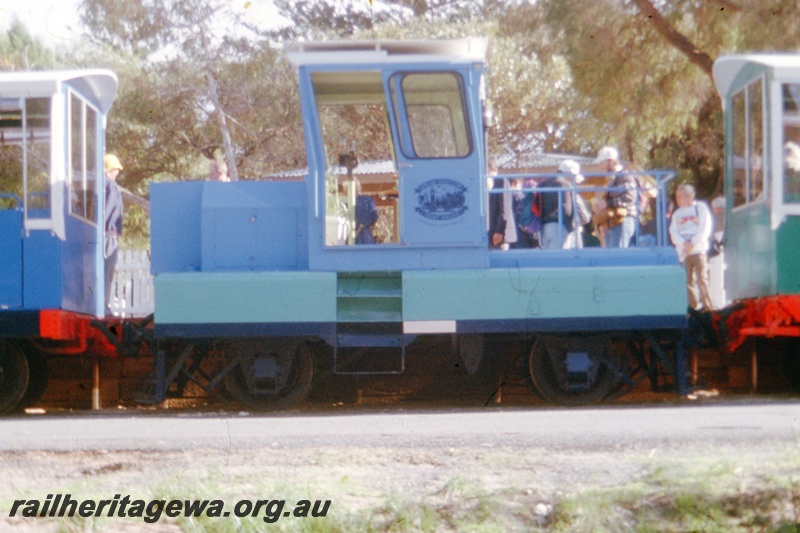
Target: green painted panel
x: 220, y: 297
x: 544, y: 293
x: 788, y: 254
x: 749, y: 253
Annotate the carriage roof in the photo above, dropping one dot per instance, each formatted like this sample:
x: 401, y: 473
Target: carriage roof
x: 727, y: 68
x: 99, y: 84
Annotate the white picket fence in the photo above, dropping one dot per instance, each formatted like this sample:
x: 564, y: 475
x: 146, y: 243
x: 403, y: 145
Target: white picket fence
x: 132, y: 288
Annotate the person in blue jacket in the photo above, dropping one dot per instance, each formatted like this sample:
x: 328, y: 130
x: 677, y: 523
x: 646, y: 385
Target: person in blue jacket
x: 113, y: 222
x: 366, y: 217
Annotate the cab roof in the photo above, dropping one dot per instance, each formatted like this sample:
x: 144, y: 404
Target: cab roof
x: 381, y: 52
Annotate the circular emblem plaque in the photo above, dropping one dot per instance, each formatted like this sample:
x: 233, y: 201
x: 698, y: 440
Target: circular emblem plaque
x: 441, y: 199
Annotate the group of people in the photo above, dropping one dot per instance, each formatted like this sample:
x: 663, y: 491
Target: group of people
x: 561, y: 218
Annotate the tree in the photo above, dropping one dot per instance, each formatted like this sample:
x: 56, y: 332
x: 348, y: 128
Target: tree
x: 19, y: 50
x: 200, y: 70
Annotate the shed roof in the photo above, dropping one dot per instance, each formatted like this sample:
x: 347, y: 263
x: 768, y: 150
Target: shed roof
x: 505, y: 162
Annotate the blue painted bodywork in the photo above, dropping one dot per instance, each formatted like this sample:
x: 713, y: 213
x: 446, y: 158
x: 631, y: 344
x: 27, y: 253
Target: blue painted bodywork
x: 228, y: 227
x: 51, y: 259
x: 11, y: 258
x: 251, y: 258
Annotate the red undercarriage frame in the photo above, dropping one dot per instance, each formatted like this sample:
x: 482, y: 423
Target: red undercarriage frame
x: 67, y: 333
x: 770, y: 316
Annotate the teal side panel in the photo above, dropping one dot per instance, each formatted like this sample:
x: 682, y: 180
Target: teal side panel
x: 245, y: 297
x: 749, y: 253
x: 502, y: 294
x: 788, y: 255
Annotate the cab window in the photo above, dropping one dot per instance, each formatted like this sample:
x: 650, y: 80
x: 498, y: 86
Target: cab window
x: 436, y: 114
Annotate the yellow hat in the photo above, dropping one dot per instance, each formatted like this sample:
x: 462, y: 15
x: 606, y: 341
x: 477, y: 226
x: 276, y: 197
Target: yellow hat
x: 112, y: 162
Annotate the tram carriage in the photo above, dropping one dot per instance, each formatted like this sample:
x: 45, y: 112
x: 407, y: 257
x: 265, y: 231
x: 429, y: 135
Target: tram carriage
x: 52, y: 130
x: 251, y: 278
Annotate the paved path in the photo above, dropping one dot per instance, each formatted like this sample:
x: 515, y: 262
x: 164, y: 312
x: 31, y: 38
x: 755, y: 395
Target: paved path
x: 693, y: 425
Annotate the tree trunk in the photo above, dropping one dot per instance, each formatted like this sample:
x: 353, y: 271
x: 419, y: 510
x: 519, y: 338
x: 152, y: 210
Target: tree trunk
x: 674, y: 37
x: 219, y: 114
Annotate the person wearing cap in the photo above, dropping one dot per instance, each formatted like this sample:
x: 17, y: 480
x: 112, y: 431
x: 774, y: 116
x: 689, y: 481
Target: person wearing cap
x: 113, y: 222
x: 582, y: 215
x: 621, y: 200
x: 558, y: 209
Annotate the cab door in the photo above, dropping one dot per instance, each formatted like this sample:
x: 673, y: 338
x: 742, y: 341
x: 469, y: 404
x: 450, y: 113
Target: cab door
x: 439, y: 161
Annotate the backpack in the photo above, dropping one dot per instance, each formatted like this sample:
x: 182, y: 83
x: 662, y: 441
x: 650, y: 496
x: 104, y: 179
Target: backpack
x: 530, y: 213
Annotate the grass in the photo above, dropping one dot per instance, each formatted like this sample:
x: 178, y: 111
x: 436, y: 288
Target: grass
x: 692, y: 494
x: 707, y: 492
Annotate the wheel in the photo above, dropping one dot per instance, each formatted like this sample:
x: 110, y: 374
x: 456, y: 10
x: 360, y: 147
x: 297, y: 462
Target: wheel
x: 39, y: 375
x: 14, y: 376
x: 270, y: 374
x: 573, y: 370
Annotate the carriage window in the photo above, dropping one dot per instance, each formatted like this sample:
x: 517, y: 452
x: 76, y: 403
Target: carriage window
x: 791, y: 143
x: 755, y: 120
x: 436, y: 115
x: 83, y: 171
x: 748, y: 144
x: 739, y: 117
x: 37, y: 155
x: 25, y: 155
x: 11, y: 155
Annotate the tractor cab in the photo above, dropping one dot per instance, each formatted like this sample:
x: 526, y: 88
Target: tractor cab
x: 51, y: 178
x: 416, y: 109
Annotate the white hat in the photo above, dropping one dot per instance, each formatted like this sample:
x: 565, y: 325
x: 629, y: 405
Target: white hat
x: 606, y: 153
x: 568, y: 166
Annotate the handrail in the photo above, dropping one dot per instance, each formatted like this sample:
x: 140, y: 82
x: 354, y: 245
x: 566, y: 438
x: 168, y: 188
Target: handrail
x: 660, y: 177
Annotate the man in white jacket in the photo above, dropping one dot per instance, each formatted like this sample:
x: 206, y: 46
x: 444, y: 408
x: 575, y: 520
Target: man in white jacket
x: 690, y: 230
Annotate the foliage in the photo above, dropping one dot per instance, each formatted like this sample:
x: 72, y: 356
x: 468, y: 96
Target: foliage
x: 197, y: 92
x: 198, y: 82
x: 19, y: 50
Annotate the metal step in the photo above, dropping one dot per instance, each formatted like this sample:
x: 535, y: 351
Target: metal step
x: 366, y: 340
